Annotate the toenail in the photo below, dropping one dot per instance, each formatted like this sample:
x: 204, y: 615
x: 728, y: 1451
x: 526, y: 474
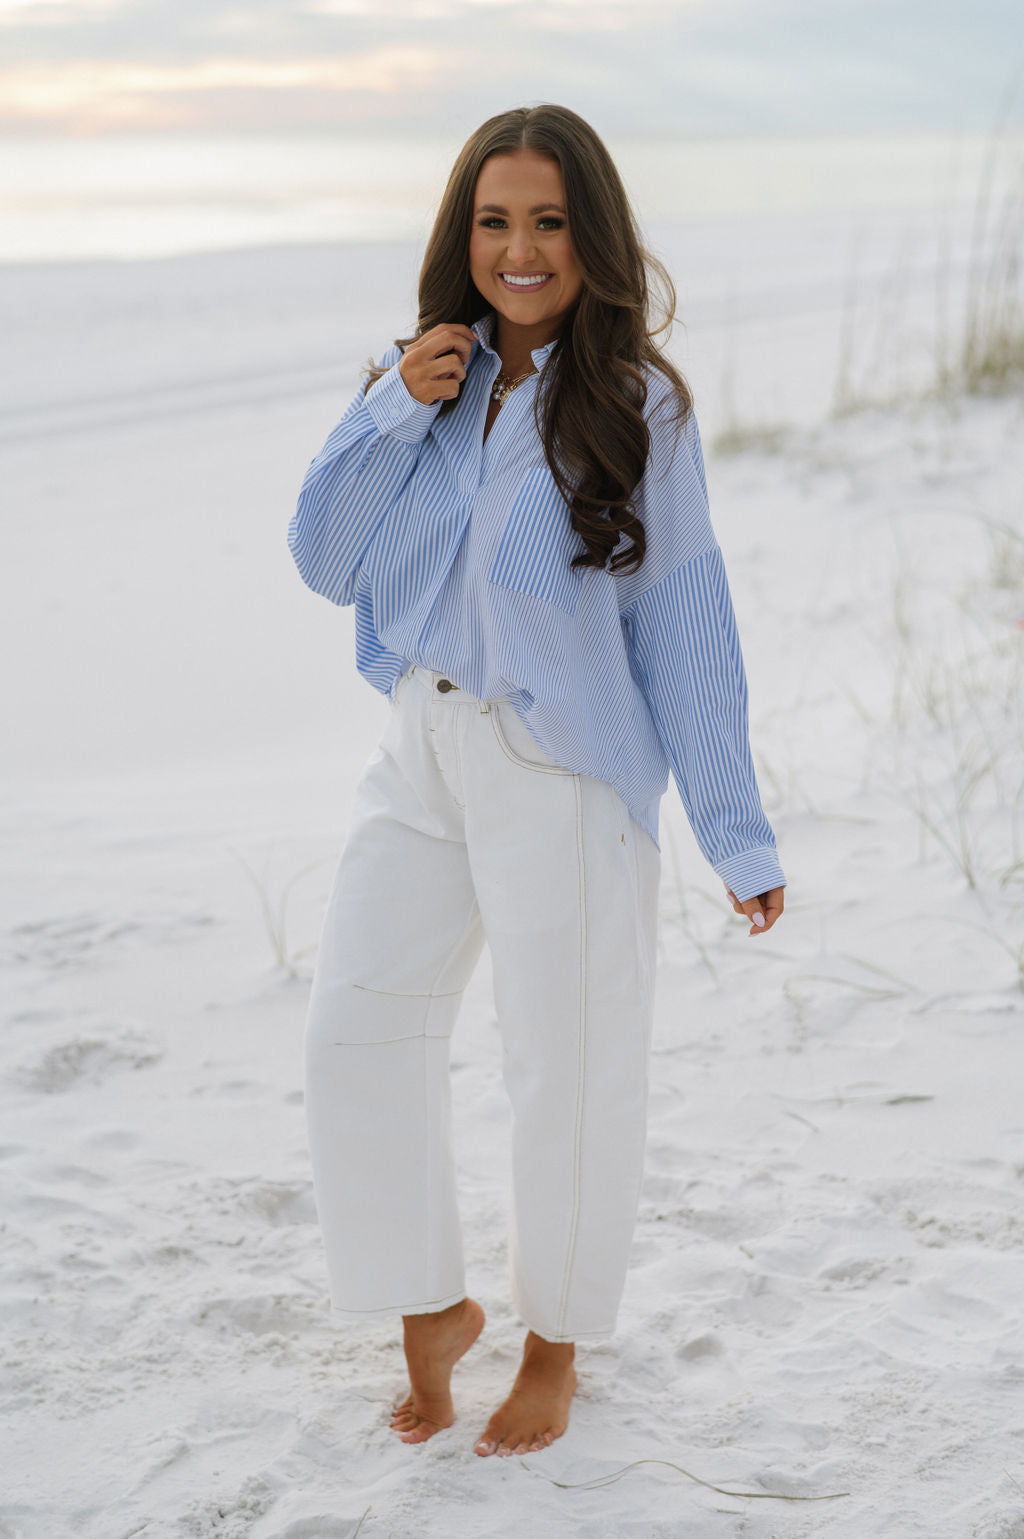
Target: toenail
x: 484, y: 1446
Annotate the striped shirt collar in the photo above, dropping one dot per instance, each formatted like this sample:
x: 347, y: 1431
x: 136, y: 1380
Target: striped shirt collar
x: 484, y: 329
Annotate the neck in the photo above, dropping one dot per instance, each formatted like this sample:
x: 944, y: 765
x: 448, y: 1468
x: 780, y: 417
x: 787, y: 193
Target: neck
x: 514, y: 344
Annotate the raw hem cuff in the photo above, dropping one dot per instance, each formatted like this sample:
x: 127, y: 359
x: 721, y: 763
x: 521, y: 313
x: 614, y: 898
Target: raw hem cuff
x: 605, y: 1334
x: 385, y: 1311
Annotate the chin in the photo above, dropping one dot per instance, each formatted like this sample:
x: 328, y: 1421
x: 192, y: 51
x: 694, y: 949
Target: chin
x: 525, y: 313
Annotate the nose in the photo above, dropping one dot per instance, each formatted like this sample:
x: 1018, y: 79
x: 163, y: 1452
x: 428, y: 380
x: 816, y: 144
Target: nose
x: 521, y: 247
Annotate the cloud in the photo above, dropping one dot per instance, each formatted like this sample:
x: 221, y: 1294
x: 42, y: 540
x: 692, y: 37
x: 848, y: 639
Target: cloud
x: 435, y: 10
x: 50, y: 11
x: 636, y: 67
x: 51, y: 14
x: 104, y: 94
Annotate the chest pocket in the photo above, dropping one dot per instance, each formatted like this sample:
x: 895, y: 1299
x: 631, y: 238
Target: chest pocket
x: 537, y: 544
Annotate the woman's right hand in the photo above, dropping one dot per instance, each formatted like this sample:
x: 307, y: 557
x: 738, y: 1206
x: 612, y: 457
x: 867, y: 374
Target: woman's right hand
x: 434, y: 366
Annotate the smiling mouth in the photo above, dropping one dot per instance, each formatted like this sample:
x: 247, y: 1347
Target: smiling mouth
x: 525, y: 282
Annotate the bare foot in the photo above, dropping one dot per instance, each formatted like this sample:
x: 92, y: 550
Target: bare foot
x: 433, y: 1345
x: 537, y: 1410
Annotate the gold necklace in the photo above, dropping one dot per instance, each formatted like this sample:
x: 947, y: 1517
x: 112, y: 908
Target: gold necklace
x: 503, y: 386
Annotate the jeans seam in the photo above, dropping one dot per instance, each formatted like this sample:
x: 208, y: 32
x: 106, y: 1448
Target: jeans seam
x: 644, y: 964
x: 457, y: 759
x: 640, y: 936
x: 413, y: 994
x: 430, y: 1259
x: 581, y: 1063
x: 510, y: 753
x: 413, y: 1036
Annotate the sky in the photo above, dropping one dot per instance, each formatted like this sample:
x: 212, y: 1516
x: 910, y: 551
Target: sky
x: 643, y: 68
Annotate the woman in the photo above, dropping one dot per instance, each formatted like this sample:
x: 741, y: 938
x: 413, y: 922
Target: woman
x: 515, y: 503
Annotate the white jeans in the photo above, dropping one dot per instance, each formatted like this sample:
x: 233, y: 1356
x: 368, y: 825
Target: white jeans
x: 463, y: 828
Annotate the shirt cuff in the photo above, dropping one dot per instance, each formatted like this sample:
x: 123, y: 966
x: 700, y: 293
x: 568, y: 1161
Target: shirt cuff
x: 397, y: 412
x: 752, y: 872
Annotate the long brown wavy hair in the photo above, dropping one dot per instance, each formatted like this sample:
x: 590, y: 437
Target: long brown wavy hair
x: 590, y: 415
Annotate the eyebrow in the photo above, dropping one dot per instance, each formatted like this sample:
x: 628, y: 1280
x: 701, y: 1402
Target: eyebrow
x: 538, y: 208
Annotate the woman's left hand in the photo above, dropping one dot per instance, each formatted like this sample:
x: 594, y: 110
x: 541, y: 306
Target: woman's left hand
x: 762, y: 911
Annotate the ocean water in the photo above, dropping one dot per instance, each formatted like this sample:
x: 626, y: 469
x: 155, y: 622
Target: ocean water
x: 157, y: 195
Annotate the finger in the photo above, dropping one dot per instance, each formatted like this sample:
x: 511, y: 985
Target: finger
x: 773, y: 904
x: 428, y: 390
x: 453, y: 326
x: 755, y: 913
x: 457, y: 329
x: 456, y: 350
x: 448, y: 366
x: 447, y: 339
x: 445, y: 389
x: 435, y: 373
x: 462, y: 349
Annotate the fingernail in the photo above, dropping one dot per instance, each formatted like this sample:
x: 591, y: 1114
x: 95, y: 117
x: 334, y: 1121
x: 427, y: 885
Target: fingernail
x: 759, y: 920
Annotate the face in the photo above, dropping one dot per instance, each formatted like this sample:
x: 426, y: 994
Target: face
x: 520, y: 229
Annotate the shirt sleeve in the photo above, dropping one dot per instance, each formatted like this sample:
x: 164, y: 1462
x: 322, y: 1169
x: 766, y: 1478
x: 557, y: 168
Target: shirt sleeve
x: 686, y: 654
x: 355, y: 479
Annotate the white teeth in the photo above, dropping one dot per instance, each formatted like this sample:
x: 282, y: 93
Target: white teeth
x: 526, y: 283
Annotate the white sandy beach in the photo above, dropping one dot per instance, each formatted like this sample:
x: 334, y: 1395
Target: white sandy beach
x: 826, y: 1284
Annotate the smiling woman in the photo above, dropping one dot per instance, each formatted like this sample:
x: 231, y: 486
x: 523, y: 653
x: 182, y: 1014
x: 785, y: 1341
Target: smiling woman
x: 518, y: 205
x: 516, y: 505
x: 521, y: 247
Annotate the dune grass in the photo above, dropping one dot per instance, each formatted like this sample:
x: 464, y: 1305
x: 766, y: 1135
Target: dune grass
x: 978, y: 352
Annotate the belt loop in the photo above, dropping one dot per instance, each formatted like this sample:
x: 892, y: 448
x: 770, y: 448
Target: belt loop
x: 485, y: 706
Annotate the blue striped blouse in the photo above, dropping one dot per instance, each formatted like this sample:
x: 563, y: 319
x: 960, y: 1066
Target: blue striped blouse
x: 455, y: 552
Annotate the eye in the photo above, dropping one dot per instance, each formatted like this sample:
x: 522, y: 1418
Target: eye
x: 551, y: 219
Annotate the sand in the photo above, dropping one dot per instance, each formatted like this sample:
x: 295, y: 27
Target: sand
x: 824, y: 1296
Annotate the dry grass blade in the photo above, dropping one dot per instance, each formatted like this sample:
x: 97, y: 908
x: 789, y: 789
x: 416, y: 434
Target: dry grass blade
x: 846, y: 983
x: 275, y: 916
x: 607, y: 1480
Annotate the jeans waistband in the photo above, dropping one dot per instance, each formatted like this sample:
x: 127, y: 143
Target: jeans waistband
x: 429, y: 679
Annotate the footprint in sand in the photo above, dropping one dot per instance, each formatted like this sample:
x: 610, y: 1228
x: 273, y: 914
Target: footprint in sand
x: 87, y: 1060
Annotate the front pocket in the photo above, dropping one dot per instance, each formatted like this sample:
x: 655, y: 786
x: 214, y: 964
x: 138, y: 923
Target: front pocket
x: 537, y: 544
x: 518, y: 743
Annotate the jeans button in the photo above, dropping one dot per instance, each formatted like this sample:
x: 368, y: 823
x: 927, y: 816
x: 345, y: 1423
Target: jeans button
x: 444, y: 685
